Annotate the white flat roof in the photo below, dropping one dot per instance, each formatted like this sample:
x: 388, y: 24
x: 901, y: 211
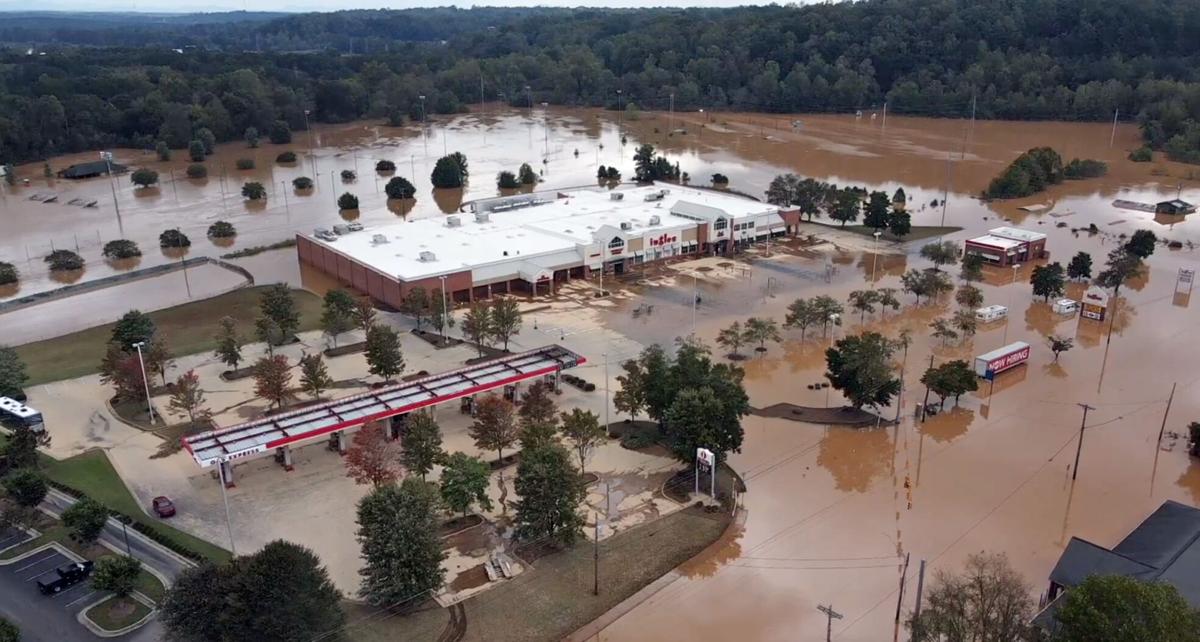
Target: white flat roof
x: 521, y: 233
x: 1017, y: 234
x: 998, y: 242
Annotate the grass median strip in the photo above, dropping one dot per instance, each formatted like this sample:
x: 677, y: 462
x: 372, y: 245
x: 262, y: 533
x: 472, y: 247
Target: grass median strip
x: 187, y: 328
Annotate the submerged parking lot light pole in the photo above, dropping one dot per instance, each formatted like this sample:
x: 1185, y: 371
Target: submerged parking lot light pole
x: 444, y: 318
x: 1015, y: 267
x: 221, y: 463
x: 145, y: 381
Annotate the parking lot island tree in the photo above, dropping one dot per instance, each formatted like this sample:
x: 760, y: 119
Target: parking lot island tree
x: 314, y: 375
x: 384, y: 358
x: 495, y: 426
x: 401, y: 551
x: 550, y: 491
x: 273, y: 379
x: 583, y: 430
x: 859, y: 367
x: 421, y: 445
x: 372, y: 458
x: 464, y: 483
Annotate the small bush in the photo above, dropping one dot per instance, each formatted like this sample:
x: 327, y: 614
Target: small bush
x: 638, y: 439
x: 1142, y: 154
x: 173, y: 238
x: 349, y: 176
x: 1084, y: 168
x: 26, y: 487
x: 9, y: 273
x: 61, y: 260
x: 244, y: 163
x: 221, y: 230
x: 720, y: 179
x: 196, y: 170
x: 385, y: 167
x: 507, y: 180
x: 286, y: 157
x: 143, y: 177
x: 280, y: 133
x: 86, y: 519
x: 121, y: 249
x: 399, y: 187
x: 254, y: 191
x: 302, y: 182
x: 348, y: 201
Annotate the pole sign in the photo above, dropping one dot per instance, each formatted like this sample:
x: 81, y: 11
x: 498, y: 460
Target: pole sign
x: 705, y: 457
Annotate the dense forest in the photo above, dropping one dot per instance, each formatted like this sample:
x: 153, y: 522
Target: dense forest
x: 1015, y: 59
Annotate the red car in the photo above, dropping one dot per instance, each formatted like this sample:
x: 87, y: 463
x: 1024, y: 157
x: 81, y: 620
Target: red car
x: 163, y: 506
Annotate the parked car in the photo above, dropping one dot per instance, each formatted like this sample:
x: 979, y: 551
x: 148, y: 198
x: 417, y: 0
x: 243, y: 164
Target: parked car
x: 64, y: 577
x: 163, y: 506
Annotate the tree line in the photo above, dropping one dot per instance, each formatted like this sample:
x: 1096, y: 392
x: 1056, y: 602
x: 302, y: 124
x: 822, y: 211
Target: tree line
x: 1012, y: 59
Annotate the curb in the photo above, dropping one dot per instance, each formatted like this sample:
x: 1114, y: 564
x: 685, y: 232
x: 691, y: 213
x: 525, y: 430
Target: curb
x: 96, y: 629
x: 66, y: 552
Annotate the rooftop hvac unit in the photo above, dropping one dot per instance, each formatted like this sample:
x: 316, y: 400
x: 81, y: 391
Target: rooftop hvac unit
x: 617, y: 196
x: 482, y: 217
x: 454, y: 221
x: 428, y: 257
x: 378, y: 239
x: 341, y: 228
x: 655, y: 196
x: 655, y: 220
x: 626, y: 226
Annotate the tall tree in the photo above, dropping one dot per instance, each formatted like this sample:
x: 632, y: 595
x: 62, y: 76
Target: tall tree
x: 23, y: 442
x: 401, y: 550
x: 888, y: 299
x: 495, y: 426
x: 900, y: 223
x: 582, y: 428
x: 864, y: 302
x: 1059, y: 345
x: 273, y: 379
x: 26, y: 487
x: 278, y: 305
x: 416, y: 304
x: 550, y: 492
x: 1116, y: 607
x: 12, y: 373
x: 133, y: 327
x: 631, y: 398
x: 229, y: 344
x: 972, y: 268
x: 1121, y: 266
x: 384, y: 358
x: 877, y: 210
x: 337, y: 313
x: 801, y: 314
x: 478, y: 325
x: 117, y: 574
x: 188, y: 398
x: 732, y: 338
x: 943, y: 253
x: 506, y: 320
x: 421, y: 445
x: 372, y: 458
x: 969, y: 297
x: 943, y: 329
x: 314, y: 376
x: 364, y: 314
x: 846, y: 206
x: 951, y: 379
x: 860, y: 368
x: 783, y: 190
x: 538, y: 416
x: 1048, y: 280
x: 464, y: 483
x: 760, y: 330
x: 1080, y: 266
x: 86, y: 519
x: 1141, y: 244
x: 988, y: 600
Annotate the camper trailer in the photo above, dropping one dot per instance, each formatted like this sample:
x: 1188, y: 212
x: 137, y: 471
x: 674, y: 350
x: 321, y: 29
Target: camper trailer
x: 990, y: 313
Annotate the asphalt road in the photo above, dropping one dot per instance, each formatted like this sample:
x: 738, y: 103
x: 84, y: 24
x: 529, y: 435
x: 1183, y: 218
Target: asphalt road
x: 43, y: 617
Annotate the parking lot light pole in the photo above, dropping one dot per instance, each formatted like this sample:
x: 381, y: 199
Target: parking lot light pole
x: 1007, y: 317
x: 225, y: 498
x: 444, y: 319
x: 874, y: 256
x: 145, y: 381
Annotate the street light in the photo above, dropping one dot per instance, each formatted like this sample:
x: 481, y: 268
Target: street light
x: 1015, y: 267
x: 107, y: 156
x: 874, y: 256
x: 145, y: 381
x: 444, y: 313
x: 312, y: 160
x: 225, y: 499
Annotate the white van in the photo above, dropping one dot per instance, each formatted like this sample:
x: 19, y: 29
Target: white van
x: 990, y: 313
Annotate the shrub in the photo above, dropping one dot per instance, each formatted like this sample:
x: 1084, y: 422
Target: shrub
x: 302, y: 182
x: 196, y: 151
x: 26, y: 487
x: 244, y: 163
x: 196, y: 170
x: 526, y: 175
x: 85, y: 518
x: 280, y: 133
x: 143, y: 177
x: 116, y: 573
x: 720, y: 179
x: 60, y: 260
x: 349, y: 175
x: 121, y: 249
x: 448, y: 172
x: 348, y: 201
x: 1085, y: 168
x: 9, y: 273
x: 286, y: 157
x: 162, y: 150
x: 173, y: 238
x: 221, y: 230
x: 1142, y: 154
x: 385, y: 167
x: 399, y: 187
x: 638, y: 439
x: 507, y: 180
x: 254, y: 191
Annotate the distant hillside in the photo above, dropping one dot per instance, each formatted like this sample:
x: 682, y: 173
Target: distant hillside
x: 1014, y: 59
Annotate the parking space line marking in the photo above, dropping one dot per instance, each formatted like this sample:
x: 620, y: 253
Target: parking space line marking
x: 52, y: 554
x: 69, y: 589
x: 77, y: 600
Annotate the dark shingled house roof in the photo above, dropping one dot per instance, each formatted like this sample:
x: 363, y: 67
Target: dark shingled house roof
x: 90, y: 169
x: 1164, y: 548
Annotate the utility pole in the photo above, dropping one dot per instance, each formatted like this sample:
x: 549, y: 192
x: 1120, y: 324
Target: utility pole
x: 946, y: 191
x: 900, y: 599
x: 917, y: 608
x: 1112, y: 138
x: 925, y: 405
x: 145, y: 381
x: 607, y: 425
x: 107, y: 156
x: 671, y: 120
x: 596, y: 558
x: 830, y: 614
x: 884, y: 127
x: 1079, y: 447
x: 1163, y: 428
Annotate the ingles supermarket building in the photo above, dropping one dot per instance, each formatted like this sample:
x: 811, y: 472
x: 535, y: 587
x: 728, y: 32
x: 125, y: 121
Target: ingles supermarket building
x: 531, y: 242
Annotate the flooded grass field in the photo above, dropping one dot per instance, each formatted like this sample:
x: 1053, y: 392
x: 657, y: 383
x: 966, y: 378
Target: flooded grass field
x: 832, y: 511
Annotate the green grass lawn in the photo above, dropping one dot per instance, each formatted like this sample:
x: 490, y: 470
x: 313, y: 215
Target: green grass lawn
x: 918, y: 233
x: 92, y: 473
x: 116, y: 613
x: 187, y: 328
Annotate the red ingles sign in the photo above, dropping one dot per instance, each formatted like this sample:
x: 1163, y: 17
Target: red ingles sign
x: 663, y: 239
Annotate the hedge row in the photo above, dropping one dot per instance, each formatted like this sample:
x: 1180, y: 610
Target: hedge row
x: 144, y: 529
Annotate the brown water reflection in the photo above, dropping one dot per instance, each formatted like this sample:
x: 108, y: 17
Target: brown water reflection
x: 401, y: 206
x: 855, y: 456
x: 726, y: 549
x: 448, y: 200
x: 174, y: 252
x: 1190, y: 480
x: 948, y: 425
x: 349, y: 215
x: 124, y: 265
x: 67, y: 277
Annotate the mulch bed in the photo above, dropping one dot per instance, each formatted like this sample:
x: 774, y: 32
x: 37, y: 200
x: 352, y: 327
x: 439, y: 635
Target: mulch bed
x: 509, y: 460
x: 589, y: 478
x: 240, y: 373
x: 414, y: 376
x: 436, y: 340
x: 350, y: 348
x: 470, y: 578
x: 533, y: 551
x: 458, y: 525
x: 488, y: 355
x: 842, y: 416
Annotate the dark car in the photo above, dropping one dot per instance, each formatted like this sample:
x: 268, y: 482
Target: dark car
x: 163, y: 506
x: 64, y: 577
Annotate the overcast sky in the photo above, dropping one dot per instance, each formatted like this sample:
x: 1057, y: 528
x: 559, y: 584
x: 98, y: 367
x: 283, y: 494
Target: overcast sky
x: 179, y: 6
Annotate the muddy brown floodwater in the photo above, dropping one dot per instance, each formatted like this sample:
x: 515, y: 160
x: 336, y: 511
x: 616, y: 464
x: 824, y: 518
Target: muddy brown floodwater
x: 829, y: 514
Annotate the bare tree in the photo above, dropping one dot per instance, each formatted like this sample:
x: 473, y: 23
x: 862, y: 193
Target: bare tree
x: 988, y: 600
